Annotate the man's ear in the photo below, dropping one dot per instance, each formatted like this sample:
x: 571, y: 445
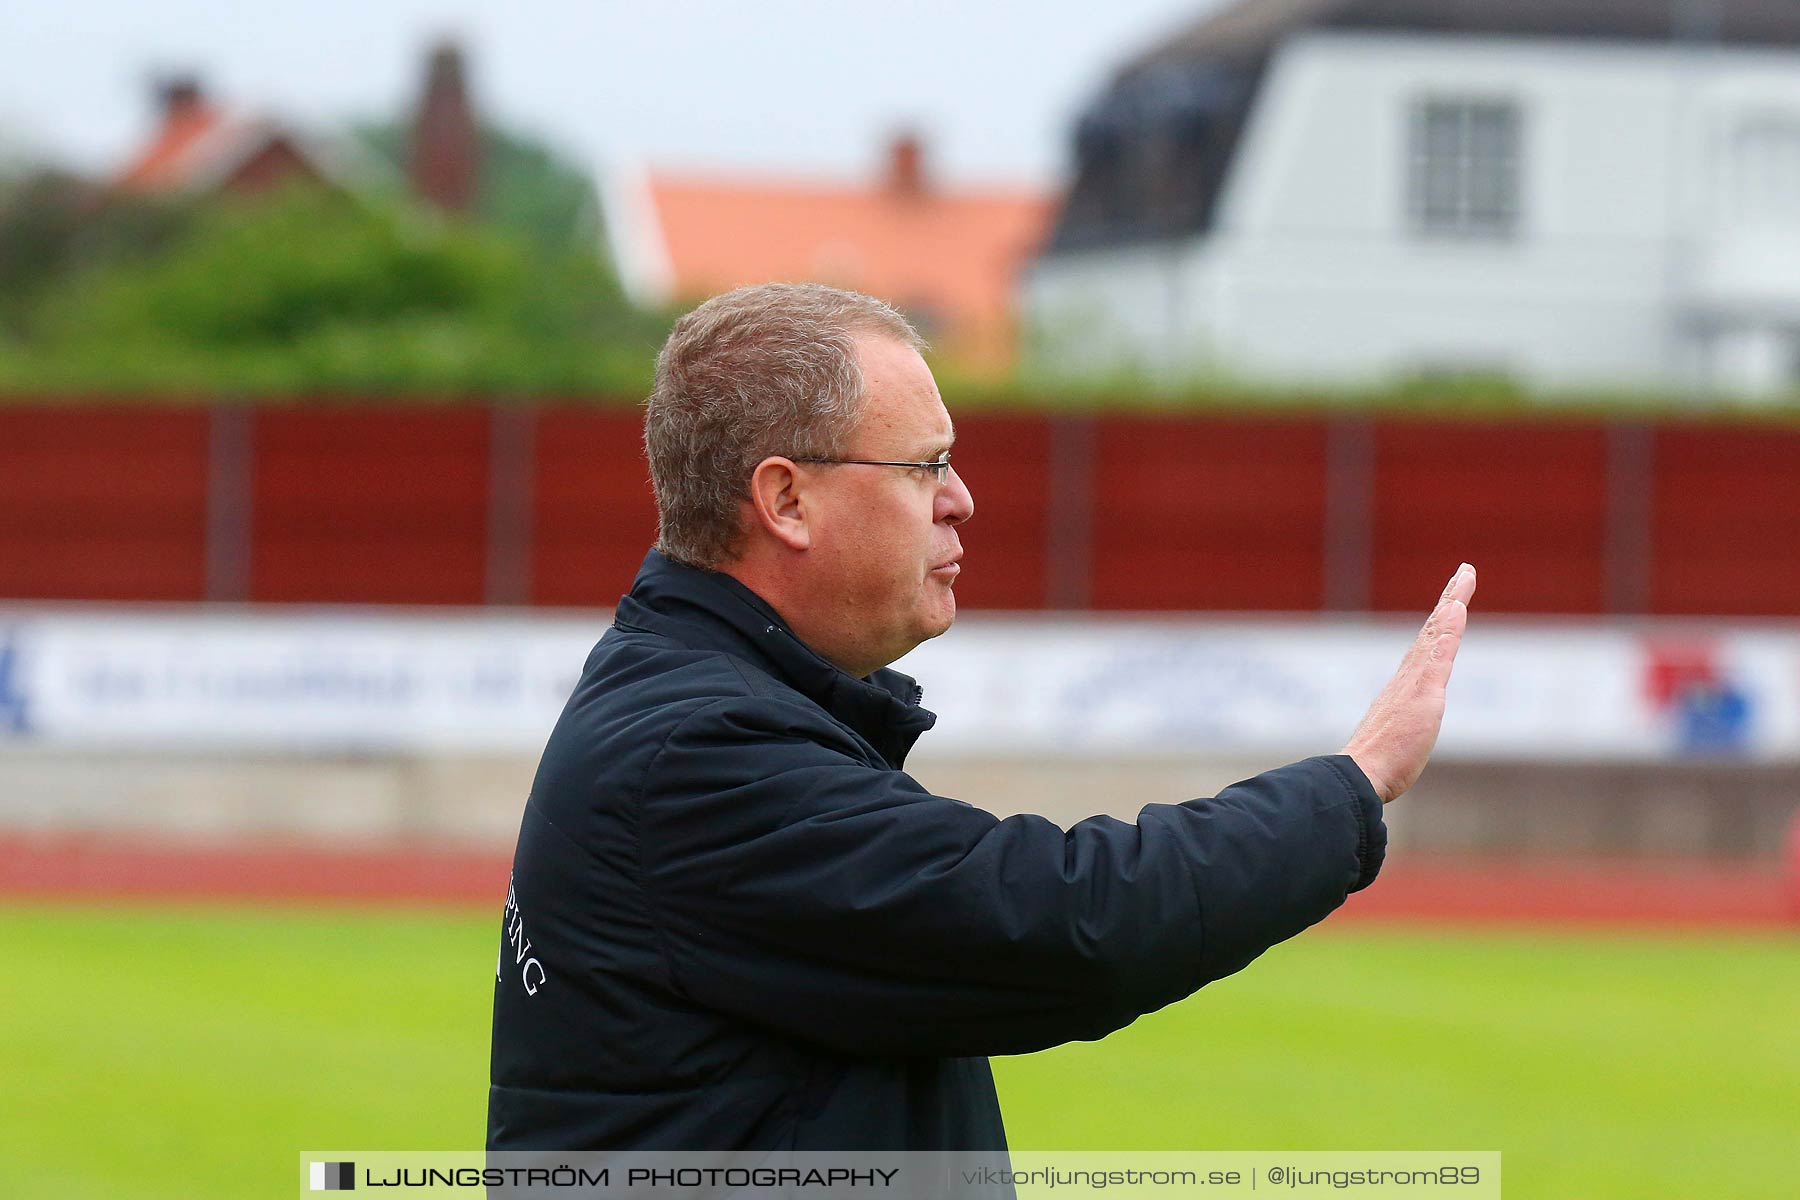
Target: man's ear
x: 776, y: 504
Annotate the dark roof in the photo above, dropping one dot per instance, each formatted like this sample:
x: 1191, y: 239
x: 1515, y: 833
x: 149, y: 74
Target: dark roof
x: 1254, y: 26
x: 1152, y: 152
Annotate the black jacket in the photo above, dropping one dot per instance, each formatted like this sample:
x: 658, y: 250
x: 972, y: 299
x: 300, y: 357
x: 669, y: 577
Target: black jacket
x: 736, y: 923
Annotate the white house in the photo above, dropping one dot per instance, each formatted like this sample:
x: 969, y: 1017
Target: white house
x: 1576, y: 193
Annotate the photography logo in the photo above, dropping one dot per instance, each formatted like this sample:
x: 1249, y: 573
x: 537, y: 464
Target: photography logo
x: 333, y: 1177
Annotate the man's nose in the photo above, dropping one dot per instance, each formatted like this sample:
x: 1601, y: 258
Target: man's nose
x: 955, y: 504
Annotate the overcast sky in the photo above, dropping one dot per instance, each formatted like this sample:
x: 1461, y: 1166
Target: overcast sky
x: 794, y: 85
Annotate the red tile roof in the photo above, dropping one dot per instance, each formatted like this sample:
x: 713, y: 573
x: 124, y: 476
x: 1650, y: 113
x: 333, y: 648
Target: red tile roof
x: 947, y: 257
x: 170, y: 158
x: 197, y: 147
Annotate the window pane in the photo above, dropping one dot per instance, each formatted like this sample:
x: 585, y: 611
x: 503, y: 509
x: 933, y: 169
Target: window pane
x: 1491, y: 132
x: 1443, y: 192
x: 1491, y: 189
x: 1463, y: 172
x: 1443, y: 133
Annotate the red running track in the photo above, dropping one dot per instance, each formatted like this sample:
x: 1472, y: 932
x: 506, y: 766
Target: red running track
x: 1412, y: 887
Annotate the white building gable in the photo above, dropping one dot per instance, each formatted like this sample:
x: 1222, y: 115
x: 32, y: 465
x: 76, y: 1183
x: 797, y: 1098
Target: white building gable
x: 1574, y: 213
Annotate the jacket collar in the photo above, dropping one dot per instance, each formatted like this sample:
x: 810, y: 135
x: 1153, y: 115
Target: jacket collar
x: 709, y: 610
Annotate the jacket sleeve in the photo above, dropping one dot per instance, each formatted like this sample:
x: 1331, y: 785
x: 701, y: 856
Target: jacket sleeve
x: 800, y: 889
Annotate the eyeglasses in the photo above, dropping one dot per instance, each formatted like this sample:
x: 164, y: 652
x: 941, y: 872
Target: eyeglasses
x: 939, y: 467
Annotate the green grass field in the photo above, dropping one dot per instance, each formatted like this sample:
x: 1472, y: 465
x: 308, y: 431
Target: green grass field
x: 188, y: 1052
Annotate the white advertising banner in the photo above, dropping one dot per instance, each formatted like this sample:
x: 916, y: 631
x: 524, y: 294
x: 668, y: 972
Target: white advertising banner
x: 337, y: 682
x: 1522, y: 690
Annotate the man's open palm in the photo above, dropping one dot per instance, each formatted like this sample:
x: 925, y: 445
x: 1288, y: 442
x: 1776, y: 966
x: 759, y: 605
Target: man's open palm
x: 1395, y: 739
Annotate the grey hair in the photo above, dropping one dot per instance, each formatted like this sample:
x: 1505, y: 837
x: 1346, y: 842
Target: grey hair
x: 756, y: 372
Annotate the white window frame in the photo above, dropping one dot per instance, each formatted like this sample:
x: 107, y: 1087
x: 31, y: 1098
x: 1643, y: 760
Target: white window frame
x: 1465, y: 167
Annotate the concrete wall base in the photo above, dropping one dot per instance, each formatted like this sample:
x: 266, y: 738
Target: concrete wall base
x: 1726, y: 810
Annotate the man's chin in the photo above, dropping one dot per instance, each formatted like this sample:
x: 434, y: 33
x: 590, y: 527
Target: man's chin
x: 940, y: 621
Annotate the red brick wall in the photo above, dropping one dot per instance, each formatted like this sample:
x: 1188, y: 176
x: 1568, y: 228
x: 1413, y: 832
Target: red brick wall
x: 369, y: 505
x: 592, y: 513
x: 1725, y: 522
x: 102, y: 505
x: 1526, y: 504
x: 1208, y: 514
x: 392, y: 505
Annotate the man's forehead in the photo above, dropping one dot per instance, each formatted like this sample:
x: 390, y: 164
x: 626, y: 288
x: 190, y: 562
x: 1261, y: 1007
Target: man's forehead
x: 901, y: 398
x: 920, y: 426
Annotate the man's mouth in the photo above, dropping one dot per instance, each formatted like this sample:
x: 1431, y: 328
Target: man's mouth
x: 950, y: 569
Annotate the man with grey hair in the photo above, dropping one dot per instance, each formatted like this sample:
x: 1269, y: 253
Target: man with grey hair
x: 735, y: 922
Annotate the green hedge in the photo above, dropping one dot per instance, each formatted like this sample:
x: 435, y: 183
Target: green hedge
x: 316, y: 292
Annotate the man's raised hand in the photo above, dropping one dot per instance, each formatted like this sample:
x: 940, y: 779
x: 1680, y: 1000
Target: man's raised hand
x: 1395, y: 739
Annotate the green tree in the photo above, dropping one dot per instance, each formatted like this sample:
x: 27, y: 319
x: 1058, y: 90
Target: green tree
x: 525, y: 188
x: 318, y: 291
x: 54, y: 224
